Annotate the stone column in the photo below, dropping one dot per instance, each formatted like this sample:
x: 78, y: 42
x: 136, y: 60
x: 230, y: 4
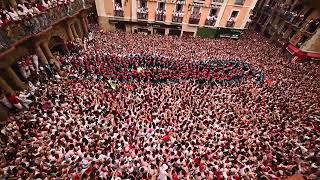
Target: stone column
x: 50, y: 57
x: 11, y: 77
x: 84, y: 26
x: 69, y: 31
x: 74, y: 31
x: 3, y: 115
x: 78, y: 26
x: 41, y: 55
x: 86, y: 20
x: 5, y: 86
x: 47, y: 51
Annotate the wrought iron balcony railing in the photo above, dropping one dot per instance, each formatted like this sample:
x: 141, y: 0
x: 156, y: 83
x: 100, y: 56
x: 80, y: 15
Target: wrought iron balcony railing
x: 142, y: 15
x: 160, y: 16
x: 118, y: 13
x: 230, y: 23
x: 177, y: 17
x: 210, y: 22
x: 194, y: 18
x: 14, y: 32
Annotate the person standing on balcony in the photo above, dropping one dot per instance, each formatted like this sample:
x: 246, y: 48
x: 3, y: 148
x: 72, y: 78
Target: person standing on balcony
x: 14, y: 16
x: 46, y: 3
x: 21, y: 12
x: 26, y: 10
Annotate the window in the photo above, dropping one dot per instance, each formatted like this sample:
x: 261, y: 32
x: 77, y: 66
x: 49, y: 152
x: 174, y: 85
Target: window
x: 179, y: 7
x: 292, y: 34
x: 143, y: 3
x: 234, y: 14
x: 118, y: 2
x: 213, y: 12
x: 196, y: 10
x: 161, y: 6
x: 239, y: 2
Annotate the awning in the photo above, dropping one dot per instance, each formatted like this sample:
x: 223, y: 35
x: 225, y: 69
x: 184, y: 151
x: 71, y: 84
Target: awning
x: 301, y: 55
x: 313, y: 55
x: 293, y: 49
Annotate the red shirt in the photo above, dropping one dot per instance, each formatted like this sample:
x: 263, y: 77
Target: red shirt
x: 13, y: 100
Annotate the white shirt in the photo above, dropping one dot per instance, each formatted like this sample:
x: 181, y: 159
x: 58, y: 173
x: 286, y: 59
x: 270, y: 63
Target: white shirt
x: 14, y: 15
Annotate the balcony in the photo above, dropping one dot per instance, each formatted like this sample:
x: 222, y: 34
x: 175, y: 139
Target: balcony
x: 288, y: 16
x: 230, y: 23
x: 177, y: 17
x: 15, y: 32
x: 211, y: 21
x: 312, y: 26
x: 161, y: 15
x: 143, y: 16
x: 194, y: 18
x: 118, y: 13
x: 267, y: 9
x: 142, y: 13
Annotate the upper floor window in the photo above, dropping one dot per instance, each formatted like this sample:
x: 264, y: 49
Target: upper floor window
x: 179, y: 7
x: 161, y: 6
x: 239, y: 2
x: 196, y: 10
x: 213, y: 12
x: 143, y: 3
x: 234, y: 15
x: 118, y: 3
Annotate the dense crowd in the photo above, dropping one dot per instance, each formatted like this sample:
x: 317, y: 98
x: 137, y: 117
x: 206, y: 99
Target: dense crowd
x: 161, y: 118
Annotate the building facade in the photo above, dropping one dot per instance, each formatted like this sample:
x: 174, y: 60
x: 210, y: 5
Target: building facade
x: 173, y: 17
x: 293, y: 24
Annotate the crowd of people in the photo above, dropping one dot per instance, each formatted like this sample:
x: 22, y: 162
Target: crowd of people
x: 163, y: 118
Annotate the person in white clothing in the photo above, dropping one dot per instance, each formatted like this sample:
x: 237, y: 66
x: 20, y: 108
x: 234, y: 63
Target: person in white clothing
x: 24, y: 100
x: 13, y: 14
x: 35, y: 60
x: 163, y: 175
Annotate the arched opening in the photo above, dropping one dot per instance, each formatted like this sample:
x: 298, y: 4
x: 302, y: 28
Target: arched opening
x: 78, y: 29
x: 58, y: 46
